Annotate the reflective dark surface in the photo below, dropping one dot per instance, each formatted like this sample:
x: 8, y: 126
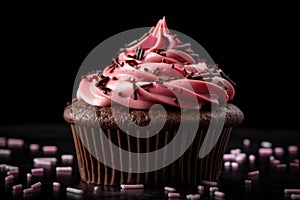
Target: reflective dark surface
x: 270, y: 183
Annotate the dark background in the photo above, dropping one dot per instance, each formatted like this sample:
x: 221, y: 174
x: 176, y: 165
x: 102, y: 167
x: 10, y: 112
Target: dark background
x: 43, y: 46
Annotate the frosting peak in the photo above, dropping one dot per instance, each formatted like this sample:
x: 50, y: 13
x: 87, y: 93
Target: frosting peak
x: 157, y: 69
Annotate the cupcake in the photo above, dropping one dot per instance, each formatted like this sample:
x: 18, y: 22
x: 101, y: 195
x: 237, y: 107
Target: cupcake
x: 159, y: 114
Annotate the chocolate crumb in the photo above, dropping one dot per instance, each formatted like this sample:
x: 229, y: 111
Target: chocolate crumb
x: 172, y: 66
x: 175, y: 100
x: 180, y: 91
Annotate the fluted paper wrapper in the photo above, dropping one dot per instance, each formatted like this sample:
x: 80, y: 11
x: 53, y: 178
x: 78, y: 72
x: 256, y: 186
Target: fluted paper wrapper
x: 188, y: 169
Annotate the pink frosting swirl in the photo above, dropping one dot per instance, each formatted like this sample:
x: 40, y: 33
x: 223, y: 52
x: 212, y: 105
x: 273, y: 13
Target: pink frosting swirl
x: 157, y: 69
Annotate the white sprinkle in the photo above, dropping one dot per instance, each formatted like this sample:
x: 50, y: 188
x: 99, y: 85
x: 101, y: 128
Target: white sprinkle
x: 9, y: 178
x: 246, y: 142
x: 74, y: 190
x: 227, y: 165
x: 210, y: 183
x: 45, y: 160
x: 251, y: 158
x: 229, y: 157
x: 266, y: 144
x: 235, y: 151
x: 133, y: 186
x: 17, y: 187
x: 295, y: 196
x: 213, y: 189
x: 5, y: 152
x: 173, y: 195
x: 193, y: 196
x: 49, y: 149
x: 169, y: 189
x: 36, y: 185
x: 292, y: 191
x: 219, y: 194
x: 28, y: 190
x: 67, y: 158
x: 96, y: 188
x: 15, y: 143
x: 247, y: 181
x: 234, y: 166
x: 275, y: 162
x: 28, y: 175
x: 13, y: 172
x: 56, y: 184
x: 34, y: 147
x: 253, y: 173
x: 240, y: 158
x: 200, y: 187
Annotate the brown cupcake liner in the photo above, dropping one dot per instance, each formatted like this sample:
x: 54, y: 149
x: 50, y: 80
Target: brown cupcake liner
x: 188, y: 169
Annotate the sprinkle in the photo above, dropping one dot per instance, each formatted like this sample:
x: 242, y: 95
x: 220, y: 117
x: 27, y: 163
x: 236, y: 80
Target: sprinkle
x: 229, y: 157
x: 208, y: 79
x: 134, y: 91
x: 132, y: 43
x: 185, y: 72
x: 15, y: 143
x: 293, y: 149
x: 266, y: 144
x: 200, y: 187
x: 13, y: 172
x: 246, y: 142
x: 28, y: 190
x: 36, y: 185
x: 114, y: 78
x: 74, y: 190
x: 227, y: 165
x: 210, y: 183
x: 265, y: 151
x: 253, y: 173
x: 240, y: 158
x: 63, y: 169
x: 10, y: 167
x: 193, y: 196
x: 169, y: 189
x: 37, y: 171
x: 2, y: 141
x: 34, y: 147
x: 44, y: 161
x: 252, y: 158
x: 295, y: 196
x: 146, y: 69
x: 281, y: 166
x: 247, y: 181
x: 173, y: 195
x: 96, y: 188
x: 49, y: 149
x: 279, y: 151
x: 131, y: 62
x: 28, y: 175
x: 292, y: 191
x: 56, y: 184
x: 103, y: 81
x: 9, y: 178
x: 17, y: 187
x: 5, y: 152
x: 234, y: 165
x: 146, y: 85
x: 180, y: 91
x: 213, y: 189
x: 67, y: 158
x: 133, y: 186
x: 219, y: 194
x: 132, y: 79
x: 156, y: 71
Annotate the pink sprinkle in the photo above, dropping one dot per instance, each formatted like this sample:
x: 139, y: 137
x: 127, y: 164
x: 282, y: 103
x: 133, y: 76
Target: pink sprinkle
x: 234, y: 166
x: 209, y: 183
x: 281, y: 166
x: 15, y: 143
x: 265, y: 151
x: 173, y: 195
x: 96, y: 188
x: 229, y: 157
x: 14, y: 172
x: 37, y: 171
x: 28, y: 190
x: 36, y: 185
x: 45, y: 161
x: 275, y: 162
x: 227, y: 165
x: 133, y: 186
x: 193, y: 197
x: 219, y: 194
x: 169, y: 189
x: 292, y: 191
x: 293, y: 149
x: 200, y: 187
x: 235, y: 151
x: 17, y: 187
x: 271, y: 158
x: 63, y: 169
x: 294, y: 166
x: 49, y: 149
x: 56, y: 184
x: 9, y: 178
x: 252, y: 158
x: 253, y: 173
x: 34, y: 147
x: 279, y: 151
x: 2, y: 141
x: 246, y: 142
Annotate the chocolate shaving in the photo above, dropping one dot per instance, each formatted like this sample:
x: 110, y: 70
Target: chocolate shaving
x: 180, y: 91
x: 146, y: 69
x: 146, y: 85
x: 132, y: 63
x: 156, y: 71
x: 105, y: 88
x: 134, y: 91
x: 185, y: 72
x: 172, y: 66
x: 139, y: 53
x: 103, y: 81
x: 114, y: 78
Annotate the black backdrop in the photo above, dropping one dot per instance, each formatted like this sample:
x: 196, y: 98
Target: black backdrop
x: 43, y: 47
